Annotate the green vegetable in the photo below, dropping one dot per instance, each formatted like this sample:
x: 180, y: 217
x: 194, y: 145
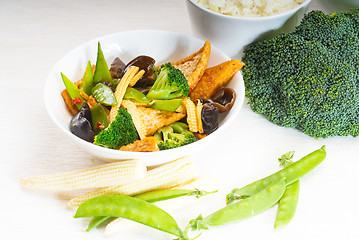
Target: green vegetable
x: 102, y: 72
x: 170, y: 83
x: 287, y: 205
x: 87, y: 80
x: 168, y: 138
x: 166, y: 194
x: 130, y: 208
x: 179, y: 127
x: 151, y: 197
x: 291, y: 174
x: 251, y: 206
x: 167, y: 105
x: 135, y: 96
x: 97, y: 221
x: 308, y: 79
x: 99, y: 118
x: 104, y: 95
x: 73, y: 90
x: 120, y: 132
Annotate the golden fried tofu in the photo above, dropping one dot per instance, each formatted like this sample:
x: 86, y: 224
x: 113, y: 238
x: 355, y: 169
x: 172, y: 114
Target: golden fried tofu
x: 148, y: 144
x: 214, y: 78
x: 154, y: 119
x: 194, y: 65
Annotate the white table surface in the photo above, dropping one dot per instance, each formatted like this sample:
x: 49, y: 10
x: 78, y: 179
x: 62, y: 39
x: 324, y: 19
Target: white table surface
x: 36, y: 34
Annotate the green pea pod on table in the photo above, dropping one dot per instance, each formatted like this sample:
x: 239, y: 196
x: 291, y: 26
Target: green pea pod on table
x: 130, y: 208
x: 73, y: 91
x: 87, y: 80
x: 151, y: 197
x: 104, y: 95
x: 287, y: 205
x: 102, y: 72
x: 251, y: 206
x: 291, y: 174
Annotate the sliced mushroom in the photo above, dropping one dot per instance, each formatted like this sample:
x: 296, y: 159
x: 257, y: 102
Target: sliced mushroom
x: 146, y: 63
x: 117, y: 67
x: 223, y: 99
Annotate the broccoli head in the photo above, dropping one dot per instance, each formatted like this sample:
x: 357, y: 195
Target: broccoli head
x: 120, y: 132
x: 170, y: 83
x: 174, y: 136
x: 308, y: 79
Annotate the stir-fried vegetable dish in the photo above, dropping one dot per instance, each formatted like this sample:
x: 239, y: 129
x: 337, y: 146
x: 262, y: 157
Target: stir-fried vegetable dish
x: 141, y: 106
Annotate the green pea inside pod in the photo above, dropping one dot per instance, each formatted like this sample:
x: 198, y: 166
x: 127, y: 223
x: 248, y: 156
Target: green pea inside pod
x: 167, y: 105
x: 104, y: 95
x: 136, y: 96
x: 99, y: 118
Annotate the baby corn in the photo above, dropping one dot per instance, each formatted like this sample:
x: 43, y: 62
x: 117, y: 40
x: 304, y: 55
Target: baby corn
x: 121, y: 89
x: 191, y: 114
x: 111, y: 174
x: 137, y: 121
x: 162, y: 177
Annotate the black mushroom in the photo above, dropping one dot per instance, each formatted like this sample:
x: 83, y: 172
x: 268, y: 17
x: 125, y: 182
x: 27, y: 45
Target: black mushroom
x: 80, y: 124
x: 223, y: 99
x: 117, y: 67
x: 209, y: 117
x: 146, y: 63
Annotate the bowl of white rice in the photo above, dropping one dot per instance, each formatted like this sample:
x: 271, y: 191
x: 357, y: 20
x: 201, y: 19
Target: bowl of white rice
x: 231, y: 25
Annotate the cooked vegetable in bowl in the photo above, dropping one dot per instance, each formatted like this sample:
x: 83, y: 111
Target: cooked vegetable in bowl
x: 121, y: 105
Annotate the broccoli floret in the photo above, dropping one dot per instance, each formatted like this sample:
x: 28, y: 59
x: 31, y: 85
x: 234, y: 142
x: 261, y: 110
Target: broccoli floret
x: 170, y: 83
x: 308, y: 79
x: 120, y: 132
x: 174, y: 136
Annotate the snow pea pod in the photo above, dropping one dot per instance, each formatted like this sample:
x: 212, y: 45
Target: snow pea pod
x: 102, y: 72
x: 151, y: 197
x: 73, y: 91
x: 170, y: 105
x: 87, y: 80
x: 136, y: 96
x: 253, y: 205
x: 287, y: 205
x: 99, y: 118
x: 130, y: 208
x: 96, y: 221
x: 291, y: 173
x: 103, y: 94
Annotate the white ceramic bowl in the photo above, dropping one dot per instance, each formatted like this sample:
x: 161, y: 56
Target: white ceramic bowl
x: 232, y: 34
x: 163, y: 47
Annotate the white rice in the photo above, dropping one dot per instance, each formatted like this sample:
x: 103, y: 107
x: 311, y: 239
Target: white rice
x: 249, y: 8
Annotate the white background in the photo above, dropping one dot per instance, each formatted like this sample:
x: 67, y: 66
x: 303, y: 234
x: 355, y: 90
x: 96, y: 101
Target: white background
x: 36, y: 34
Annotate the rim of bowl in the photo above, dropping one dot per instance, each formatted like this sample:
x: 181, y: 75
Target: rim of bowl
x: 138, y: 155
x: 289, y: 12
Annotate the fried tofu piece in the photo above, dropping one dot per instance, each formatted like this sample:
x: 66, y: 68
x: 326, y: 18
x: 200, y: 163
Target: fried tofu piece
x: 154, y: 119
x: 68, y: 101
x: 193, y: 66
x: 148, y: 120
x: 148, y: 144
x: 214, y: 78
